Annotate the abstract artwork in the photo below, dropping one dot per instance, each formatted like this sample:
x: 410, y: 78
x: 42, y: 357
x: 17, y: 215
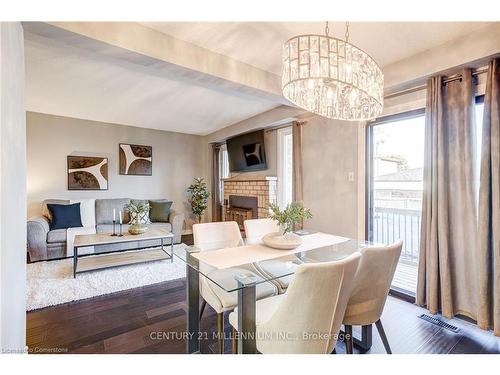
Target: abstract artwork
x: 87, y: 173
x: 136, y: 160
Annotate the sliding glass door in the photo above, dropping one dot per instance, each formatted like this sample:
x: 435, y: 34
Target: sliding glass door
x: 395, y: 148
x: 395, y: 160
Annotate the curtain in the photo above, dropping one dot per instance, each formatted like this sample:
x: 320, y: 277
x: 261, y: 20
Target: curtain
x: 297, y: 161
x: 216, y: 202
x: 488, y: 263
x: 446, y: 274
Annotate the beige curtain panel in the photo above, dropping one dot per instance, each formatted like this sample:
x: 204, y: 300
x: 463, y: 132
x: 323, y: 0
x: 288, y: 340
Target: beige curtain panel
x: 488, y: 257
x: 446, y: 275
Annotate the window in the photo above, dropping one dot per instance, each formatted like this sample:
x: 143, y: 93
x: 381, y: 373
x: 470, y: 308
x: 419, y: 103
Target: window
x: 223, y: 168
x: 395, y: 174
x: 285, y: 166
x: 395, y: 160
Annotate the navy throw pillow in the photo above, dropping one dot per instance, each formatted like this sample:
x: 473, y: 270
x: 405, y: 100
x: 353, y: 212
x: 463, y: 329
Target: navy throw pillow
x: 65, y: 216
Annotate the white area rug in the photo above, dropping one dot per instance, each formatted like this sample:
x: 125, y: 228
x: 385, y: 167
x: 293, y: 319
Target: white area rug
x: 52, y: 283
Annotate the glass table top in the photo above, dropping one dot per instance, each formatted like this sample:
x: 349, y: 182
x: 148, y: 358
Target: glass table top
x: 270, y: 264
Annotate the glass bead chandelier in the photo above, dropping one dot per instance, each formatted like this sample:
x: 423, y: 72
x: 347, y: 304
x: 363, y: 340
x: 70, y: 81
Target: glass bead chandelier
x: 332, y: 78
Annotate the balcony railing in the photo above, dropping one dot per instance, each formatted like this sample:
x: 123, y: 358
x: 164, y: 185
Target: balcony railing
x: 392, y: 224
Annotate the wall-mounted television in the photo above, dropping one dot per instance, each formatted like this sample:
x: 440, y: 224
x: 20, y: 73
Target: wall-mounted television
x: 247, y: 152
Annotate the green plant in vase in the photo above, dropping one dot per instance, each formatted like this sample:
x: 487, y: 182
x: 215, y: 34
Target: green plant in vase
x: 198, y: 199
x: 293, y: 214
x: 139, y: 216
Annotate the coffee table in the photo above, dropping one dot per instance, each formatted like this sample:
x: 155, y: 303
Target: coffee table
x: 117, y: 258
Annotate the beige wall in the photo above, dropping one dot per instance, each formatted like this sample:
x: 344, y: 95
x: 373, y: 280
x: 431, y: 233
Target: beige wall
x: 177, y: 158
x: 331, y: 150
x: 12, y: 190
x: 330, y: 153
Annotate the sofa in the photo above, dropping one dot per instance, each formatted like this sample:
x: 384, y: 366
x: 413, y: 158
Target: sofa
x: 97, y: 217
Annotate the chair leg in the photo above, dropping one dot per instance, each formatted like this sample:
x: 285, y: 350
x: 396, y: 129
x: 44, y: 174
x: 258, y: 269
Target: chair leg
x: 235, y: 342
x: 348, y: 339
x: 202, y: 308
x: 220, y: 332
x: 381, y: 332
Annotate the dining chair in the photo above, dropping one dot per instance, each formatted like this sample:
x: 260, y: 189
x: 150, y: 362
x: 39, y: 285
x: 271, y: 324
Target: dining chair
x: 307, y: 318
x: 255, y: 229
x: 213, y: 236
x: 371, y: 287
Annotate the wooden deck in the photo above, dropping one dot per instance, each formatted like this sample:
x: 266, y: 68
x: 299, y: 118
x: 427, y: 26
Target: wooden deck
x: 405, y: 277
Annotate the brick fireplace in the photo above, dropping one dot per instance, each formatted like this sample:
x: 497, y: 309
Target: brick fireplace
x: 248, y: 198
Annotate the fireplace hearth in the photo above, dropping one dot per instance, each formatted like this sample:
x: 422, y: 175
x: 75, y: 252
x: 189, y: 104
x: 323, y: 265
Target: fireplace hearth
x: 241, y: 208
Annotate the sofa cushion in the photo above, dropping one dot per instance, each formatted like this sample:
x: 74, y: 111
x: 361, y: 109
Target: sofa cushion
x: 87, y: 211
x: 104, y: 210
x: 57, y: 236
x: 65, y: 216
x: 166, y: 226
x: 159, y: 210
x: 108, y: 228
x: 46, y: 211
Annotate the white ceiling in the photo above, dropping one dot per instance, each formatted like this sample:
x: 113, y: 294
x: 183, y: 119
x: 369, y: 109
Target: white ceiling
x: 64, y: 78
x: 260, y: 43
x: 72, y: 82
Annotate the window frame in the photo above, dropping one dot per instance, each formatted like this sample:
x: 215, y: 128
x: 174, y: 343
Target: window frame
x: 369, y: 193
x: 222, y: 163
x: 369, y: 156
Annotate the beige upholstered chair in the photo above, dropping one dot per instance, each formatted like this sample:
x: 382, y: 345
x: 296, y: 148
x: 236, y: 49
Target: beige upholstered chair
x: 314, y: 304
x: 371, y: 287
x: 255, y: 229
x: 212, y: 236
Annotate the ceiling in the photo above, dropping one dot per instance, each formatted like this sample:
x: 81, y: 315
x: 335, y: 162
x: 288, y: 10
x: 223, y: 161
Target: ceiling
x: 97, y: 83
x: 72, y: 82
x: 260, y: 43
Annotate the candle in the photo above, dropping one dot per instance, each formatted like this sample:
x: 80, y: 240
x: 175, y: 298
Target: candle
x: 120, y: 217
x: 114, y: 214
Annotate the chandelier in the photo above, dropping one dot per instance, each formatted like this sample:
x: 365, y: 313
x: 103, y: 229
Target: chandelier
x: 332, y: 78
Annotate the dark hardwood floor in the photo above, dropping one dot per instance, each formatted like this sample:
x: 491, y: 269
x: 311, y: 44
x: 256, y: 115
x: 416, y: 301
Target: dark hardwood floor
x: 152, y: 320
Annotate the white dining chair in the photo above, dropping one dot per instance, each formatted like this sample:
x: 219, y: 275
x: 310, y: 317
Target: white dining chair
x: 255, y: 229
x: 213, y: 236
x: 307, y: 318
x: 371, y: 287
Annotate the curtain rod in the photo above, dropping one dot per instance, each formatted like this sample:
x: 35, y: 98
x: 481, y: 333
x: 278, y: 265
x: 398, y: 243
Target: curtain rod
x: 424, y: 86
x: 273, y: 129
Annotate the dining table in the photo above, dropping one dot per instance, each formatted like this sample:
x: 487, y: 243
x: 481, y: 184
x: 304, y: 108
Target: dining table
x: 316, y: 247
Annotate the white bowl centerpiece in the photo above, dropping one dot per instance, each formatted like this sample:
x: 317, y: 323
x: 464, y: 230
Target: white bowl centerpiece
x: 293, y: 214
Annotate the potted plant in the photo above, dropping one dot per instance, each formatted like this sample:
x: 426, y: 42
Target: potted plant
x: 139, y: 215
x: 292, y: 215
x: 198, y: 199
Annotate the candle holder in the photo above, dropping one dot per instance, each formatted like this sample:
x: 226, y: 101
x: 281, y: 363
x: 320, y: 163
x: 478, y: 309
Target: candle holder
x: 114, y: 229
x: 120, y: 234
